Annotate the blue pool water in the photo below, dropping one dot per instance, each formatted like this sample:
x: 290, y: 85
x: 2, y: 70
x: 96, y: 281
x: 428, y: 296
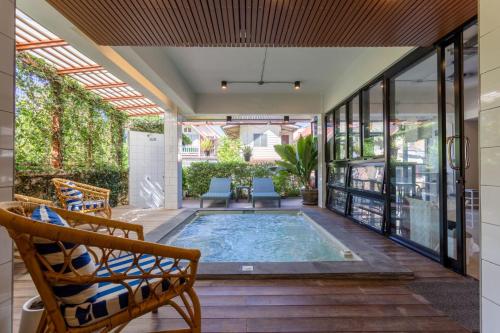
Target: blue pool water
x: 257, y: 237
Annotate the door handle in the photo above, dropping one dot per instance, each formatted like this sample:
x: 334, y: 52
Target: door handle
x: 449, y: 142
x: 467, y: 155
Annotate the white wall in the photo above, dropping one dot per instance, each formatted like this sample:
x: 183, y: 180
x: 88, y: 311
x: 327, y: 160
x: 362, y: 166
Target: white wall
x: 489, y: 123
x: 282, y: 104
x: 273, y: 133
x: 7, y: 15
x: 361, y: 71
x: 146, y: 169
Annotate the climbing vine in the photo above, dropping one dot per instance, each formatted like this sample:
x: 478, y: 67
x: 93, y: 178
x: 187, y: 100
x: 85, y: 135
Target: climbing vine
x: 62, y: 126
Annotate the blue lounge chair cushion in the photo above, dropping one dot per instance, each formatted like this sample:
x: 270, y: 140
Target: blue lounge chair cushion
x: 266, y: 195
x: 52, y: 252
x: 91, y: 204
x: 73, y: 196
x: 219, y: 188
x: 112, y: 298
x: 216, y: 195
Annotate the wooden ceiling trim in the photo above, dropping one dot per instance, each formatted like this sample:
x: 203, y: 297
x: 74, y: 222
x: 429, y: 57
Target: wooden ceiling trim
x: 399, y: 10
x: 371, y: 12
x: 323, y: 15
x: 339, y: 14
x: 298, y: 23
x: 429, y: 23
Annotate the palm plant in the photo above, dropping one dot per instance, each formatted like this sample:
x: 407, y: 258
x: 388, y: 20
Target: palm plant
x: 300, y: 159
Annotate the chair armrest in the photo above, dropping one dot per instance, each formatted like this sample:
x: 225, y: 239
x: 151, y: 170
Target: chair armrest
x: 100, y: 224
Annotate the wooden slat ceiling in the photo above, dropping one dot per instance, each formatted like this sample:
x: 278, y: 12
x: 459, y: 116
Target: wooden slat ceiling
x: 298, y: 23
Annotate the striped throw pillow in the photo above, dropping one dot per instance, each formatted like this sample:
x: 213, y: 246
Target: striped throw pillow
x: 81, y: 261
x: 73, y: 197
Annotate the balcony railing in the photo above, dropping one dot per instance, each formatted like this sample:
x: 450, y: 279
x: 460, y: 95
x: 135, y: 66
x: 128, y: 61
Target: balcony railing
x: 190, y: 150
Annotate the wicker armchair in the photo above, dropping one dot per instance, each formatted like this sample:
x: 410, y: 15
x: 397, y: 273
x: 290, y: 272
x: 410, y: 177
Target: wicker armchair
x: 91, y: 199
x: 178, y: 276
x: 25, y: 198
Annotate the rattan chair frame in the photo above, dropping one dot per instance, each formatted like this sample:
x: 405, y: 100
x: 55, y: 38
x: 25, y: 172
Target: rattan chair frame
x: 14, y: 216
x: 25, y: 198
x: 89, y: 192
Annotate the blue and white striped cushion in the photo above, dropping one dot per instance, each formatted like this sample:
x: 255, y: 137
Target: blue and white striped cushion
x: 73, y: 196
x: 93, y: 204
x: 112, y: 298
x: 80, y: 259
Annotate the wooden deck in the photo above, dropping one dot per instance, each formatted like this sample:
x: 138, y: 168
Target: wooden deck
x: 313, y: 305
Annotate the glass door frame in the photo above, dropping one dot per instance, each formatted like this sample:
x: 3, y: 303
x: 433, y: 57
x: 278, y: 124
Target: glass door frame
x: 457, y: 264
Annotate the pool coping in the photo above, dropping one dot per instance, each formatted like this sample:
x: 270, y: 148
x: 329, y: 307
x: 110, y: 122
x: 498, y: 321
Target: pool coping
x: 374, y: 264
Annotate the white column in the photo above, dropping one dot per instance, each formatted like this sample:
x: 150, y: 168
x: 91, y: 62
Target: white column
x: 7, y: 42
x: 489, y: 123
x: 173, y: 160
x: 321, y: 162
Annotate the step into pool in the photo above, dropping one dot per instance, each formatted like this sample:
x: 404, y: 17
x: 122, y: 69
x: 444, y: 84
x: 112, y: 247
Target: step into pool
x: 258, y: 237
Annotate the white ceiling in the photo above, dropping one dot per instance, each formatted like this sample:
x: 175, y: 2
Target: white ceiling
x: 317, y: 68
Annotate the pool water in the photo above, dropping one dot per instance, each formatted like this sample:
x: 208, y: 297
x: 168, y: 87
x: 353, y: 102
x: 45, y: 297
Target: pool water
x: 257, y: 236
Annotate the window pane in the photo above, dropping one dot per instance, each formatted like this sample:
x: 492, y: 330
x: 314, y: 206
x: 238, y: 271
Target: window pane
x: 336, y: 176
x: 414, y: 160
x: 373, y: 121
x: 337, y: 200
x: 329, y: 138
x: 367, y: 177
x: 354, y: 125
x: 340, y: 133
x: 367, y: 211
x: 260, y: 140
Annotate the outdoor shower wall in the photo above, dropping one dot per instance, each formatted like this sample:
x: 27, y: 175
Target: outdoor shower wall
x: 146, y: 169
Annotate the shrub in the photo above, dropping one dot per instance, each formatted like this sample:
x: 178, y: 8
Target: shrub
x: 197, y: 176
x: 40, y: 185
x: 228, y: 150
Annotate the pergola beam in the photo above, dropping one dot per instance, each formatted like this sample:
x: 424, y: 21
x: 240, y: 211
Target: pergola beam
x: 106, y: 86
x: 83, y: 69
x: 123, y: 98
x: 146, y: 114
x: 42, y: 44
x: 134, y: 107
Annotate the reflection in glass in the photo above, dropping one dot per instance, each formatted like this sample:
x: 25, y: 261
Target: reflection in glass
x: 414, y: 156
x: 336, y: 176
x: 337, y: 200
x: 367, y: 177
x: 367, y: 211
x: 354, y: 129
x: 471, y: 112
x: 453, y: 145
x: 329, y: 137
x: 340, y: 133
x: 373, y: 121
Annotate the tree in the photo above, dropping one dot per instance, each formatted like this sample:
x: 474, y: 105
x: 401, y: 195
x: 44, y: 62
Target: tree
x: 228, y: 150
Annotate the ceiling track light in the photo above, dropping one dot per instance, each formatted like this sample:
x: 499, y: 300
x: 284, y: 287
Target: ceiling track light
x: 229, y: 119
x: 286, y: 119
x: 296, y: 84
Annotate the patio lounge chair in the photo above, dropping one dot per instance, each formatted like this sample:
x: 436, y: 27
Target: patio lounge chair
x: 220, y: 189
x: 81, y: 197
x: 91, y: 282
x: 263, y: 189
x: 25, y: 198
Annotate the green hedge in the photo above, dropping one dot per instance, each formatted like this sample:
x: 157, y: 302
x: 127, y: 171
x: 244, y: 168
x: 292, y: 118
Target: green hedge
x: 196, y: 177
x: 40, y: 185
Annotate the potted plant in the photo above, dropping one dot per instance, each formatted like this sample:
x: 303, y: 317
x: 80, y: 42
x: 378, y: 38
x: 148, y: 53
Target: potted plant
x: 301, y: 160
x: 31, y: 315
x: 247, y: 153
x: 206, y: 146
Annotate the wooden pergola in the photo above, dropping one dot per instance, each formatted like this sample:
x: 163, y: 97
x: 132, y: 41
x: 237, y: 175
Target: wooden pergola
x: 33, y: 38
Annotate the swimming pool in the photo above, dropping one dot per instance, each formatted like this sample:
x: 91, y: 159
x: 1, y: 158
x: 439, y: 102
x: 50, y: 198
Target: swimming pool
x: 258, y: 236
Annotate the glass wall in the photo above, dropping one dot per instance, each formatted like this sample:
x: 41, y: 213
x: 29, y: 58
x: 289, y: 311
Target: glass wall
x: 424, y: 189
x: 329, y: 137
x: 373, y: 120
x: 354, y: 129
x: 414, y: 155
x: 340, y: 133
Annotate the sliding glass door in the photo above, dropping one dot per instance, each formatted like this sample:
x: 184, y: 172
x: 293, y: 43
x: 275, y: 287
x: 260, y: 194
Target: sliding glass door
x: 415, y: 156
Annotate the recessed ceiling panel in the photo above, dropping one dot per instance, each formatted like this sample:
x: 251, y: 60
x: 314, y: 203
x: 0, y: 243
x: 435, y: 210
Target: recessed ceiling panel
x: 278, y: 23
